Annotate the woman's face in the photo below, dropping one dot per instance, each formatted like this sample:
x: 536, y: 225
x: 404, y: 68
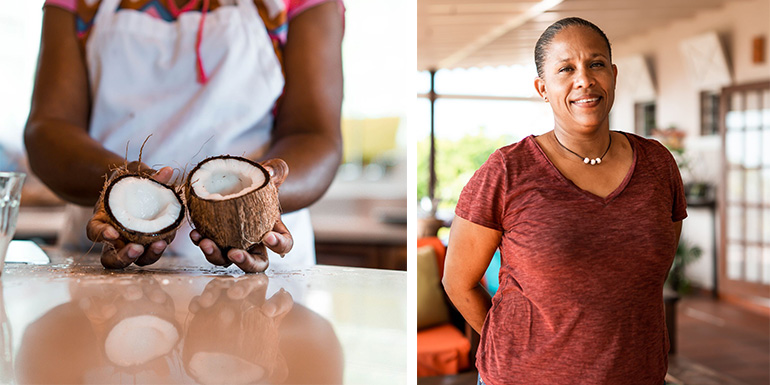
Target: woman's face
x: 578, y: 80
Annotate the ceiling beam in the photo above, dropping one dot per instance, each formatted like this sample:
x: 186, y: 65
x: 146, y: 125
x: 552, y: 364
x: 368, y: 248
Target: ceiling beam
x: 498, y: 31
x: 634, y: 4
x: 453, y: 9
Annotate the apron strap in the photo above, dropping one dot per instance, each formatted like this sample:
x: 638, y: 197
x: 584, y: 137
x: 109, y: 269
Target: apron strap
x: 248, y: 9
x: 202, y: 78
x: 105, y: 11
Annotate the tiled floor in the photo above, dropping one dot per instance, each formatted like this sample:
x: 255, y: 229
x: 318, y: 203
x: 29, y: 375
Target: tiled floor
x: 682, y: 371
x: 724, y: 339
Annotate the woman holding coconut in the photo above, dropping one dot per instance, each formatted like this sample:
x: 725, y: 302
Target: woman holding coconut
x: 587, y: 221
x: 203, y: 78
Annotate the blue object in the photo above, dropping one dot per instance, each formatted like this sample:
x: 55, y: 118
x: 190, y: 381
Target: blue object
x: 492, y: 273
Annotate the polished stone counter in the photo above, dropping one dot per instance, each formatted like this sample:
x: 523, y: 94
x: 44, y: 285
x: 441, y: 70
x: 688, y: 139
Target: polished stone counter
x: 185, y: 321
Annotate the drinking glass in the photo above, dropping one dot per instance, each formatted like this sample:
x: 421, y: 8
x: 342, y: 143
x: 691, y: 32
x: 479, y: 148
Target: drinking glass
x: 10, y: 194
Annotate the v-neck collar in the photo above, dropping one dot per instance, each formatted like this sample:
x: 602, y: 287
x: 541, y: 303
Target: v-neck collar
x: 603, y: 200
x: 176, y: 10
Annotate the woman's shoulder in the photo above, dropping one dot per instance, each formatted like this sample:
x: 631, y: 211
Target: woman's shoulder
x: 520, y: 151
x: 517, y: 148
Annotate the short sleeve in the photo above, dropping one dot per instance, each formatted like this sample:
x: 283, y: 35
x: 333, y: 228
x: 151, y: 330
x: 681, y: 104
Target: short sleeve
x: 679, y: 207
x: 295, y: 7
x: 482, y: 200
x: 70, y: 5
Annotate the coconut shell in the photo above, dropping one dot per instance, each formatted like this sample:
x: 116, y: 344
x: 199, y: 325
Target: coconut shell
x: 240, y: 222
x: 132, y: 236
x: 234, y: 328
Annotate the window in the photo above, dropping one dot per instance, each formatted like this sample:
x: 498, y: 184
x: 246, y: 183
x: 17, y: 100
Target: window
x: 709, y: 113
x: 477, y: 110
x: 745, y: 201
x: 644, y: 118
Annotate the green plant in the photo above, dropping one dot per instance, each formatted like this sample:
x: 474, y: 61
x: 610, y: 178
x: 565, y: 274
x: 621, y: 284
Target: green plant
x: 456, y: 161
x: 685, y: 254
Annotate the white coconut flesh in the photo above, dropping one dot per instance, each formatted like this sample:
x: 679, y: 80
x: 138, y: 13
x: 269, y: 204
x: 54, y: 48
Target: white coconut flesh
x: 142, y: 205
x: 226, y: 178
x: 140, y: 339
x: 212, y: 368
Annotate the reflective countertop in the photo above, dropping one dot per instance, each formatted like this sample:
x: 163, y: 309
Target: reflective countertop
x: 185, y: 321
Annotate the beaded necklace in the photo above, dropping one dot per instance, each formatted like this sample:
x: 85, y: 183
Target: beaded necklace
x: 586, y: 159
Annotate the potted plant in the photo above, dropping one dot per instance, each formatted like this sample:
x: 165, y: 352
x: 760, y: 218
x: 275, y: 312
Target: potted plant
x: 685, y: 254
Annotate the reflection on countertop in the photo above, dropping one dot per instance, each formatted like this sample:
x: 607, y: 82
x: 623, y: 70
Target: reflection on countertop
x: 71, y: 321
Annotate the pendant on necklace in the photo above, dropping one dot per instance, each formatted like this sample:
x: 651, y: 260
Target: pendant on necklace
x: 586, y: 160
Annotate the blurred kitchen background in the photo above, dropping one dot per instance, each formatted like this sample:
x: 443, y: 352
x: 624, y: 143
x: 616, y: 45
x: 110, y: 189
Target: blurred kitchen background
x: 361, y: 221
x: 694, y: 74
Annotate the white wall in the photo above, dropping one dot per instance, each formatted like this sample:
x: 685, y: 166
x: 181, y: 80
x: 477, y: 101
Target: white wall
x: 737, y: 24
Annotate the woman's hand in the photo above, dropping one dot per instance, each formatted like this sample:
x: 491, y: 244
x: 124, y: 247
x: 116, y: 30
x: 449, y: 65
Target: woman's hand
x: 118, y: 253
x: 233, y: 292
x: 234, y: 318
x: 255, y: 259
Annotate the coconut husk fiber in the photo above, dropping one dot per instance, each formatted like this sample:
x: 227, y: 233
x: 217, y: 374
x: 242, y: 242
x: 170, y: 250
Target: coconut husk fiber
x: 239, y: 222
x: 166, y: 234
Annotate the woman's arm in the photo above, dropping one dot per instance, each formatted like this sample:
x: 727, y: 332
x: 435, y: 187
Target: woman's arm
x: 470, y: 250
x: 307, y: 133
x: 61, y: 153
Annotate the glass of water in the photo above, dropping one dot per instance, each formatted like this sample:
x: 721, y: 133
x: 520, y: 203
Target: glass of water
x: 10, y: 194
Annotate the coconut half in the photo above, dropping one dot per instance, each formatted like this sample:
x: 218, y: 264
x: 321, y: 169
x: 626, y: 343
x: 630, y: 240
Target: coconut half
x: 142, y: 209
x: 137, y: 340
x: 232, y: 201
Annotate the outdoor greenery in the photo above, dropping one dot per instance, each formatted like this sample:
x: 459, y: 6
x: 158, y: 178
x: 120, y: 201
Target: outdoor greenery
x: 456, y: 161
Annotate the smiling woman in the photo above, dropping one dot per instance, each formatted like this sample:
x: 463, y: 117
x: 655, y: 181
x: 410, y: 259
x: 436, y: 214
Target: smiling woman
x: 585, y: 245
x: 577, y: 78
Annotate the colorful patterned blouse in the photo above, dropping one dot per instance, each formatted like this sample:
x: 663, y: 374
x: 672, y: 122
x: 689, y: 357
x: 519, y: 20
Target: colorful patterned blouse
x: 275, y: 13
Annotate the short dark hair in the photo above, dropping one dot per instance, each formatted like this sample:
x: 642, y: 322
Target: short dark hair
x: 545, y: 39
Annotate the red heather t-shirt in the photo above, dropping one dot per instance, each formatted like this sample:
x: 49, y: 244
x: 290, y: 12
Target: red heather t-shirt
x: 581, y: 284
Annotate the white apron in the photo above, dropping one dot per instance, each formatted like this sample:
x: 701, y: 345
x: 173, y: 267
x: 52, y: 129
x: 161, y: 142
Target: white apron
x: 143, y: 78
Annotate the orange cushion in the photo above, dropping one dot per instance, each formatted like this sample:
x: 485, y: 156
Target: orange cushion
x: 440, y: 249
x: 441, y: 350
